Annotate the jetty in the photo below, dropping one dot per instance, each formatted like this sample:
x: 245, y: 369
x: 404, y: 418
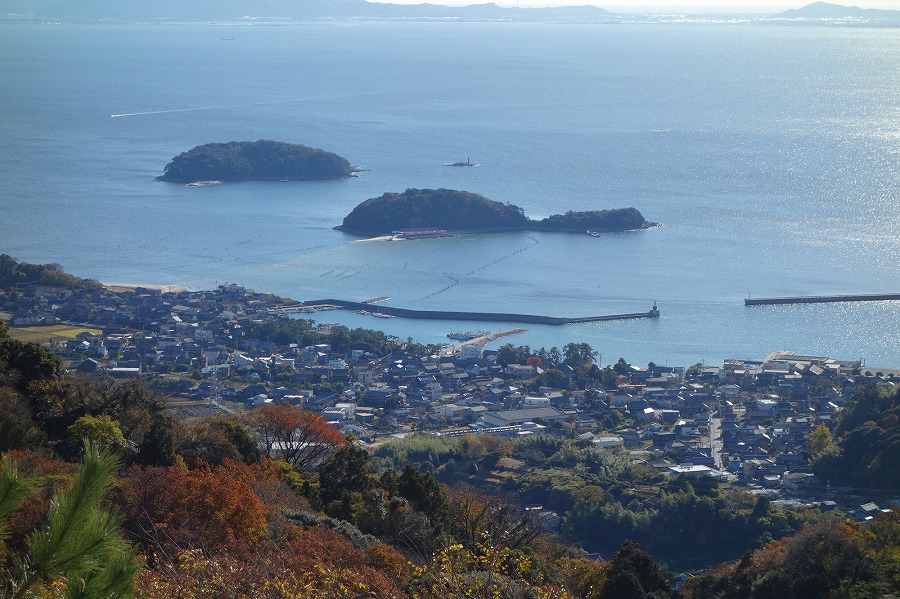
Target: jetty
x: 821, y: 299
x: 482, y: 340
x: 325, y: 304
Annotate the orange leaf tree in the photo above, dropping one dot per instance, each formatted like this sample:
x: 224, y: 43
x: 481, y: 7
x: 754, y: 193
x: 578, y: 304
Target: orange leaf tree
x: 300, y: 438
x: 167, y: 507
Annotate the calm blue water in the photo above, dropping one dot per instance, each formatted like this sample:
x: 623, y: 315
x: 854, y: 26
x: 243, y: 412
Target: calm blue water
x: 770, y: 155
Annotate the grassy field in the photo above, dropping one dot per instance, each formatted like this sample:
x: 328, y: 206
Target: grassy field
x: 56, y: 332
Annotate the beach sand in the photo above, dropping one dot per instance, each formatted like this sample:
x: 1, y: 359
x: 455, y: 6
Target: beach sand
x: 124, y: 287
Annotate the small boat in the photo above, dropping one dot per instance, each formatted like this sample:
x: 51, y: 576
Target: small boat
x: 466, y: 163
x: 593, y: 233
x: 201, y: 183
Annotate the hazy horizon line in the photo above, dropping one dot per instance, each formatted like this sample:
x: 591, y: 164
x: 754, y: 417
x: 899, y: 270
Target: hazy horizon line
x: 702, y: 6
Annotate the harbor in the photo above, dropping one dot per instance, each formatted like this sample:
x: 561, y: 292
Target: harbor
x: 821, y: 299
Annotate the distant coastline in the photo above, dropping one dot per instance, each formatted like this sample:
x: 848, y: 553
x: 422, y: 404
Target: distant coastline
x: 246, y: 12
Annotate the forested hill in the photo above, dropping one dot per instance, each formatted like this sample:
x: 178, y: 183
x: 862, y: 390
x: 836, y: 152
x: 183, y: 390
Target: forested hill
x: 619, y: 219
x: 464, y: 211
x: 442, y: 208
x: 15, y: 275
x: 263, y: 160
x: 865, y: 451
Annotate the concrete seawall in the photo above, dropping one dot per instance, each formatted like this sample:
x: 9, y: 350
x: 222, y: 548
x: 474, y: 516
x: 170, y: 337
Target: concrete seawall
x: 821, y: 299
x: 479, y: 316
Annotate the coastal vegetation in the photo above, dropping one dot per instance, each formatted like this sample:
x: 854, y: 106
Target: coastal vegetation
x: 465, y: 211
x: 262, y: 160
x: 14, y: 276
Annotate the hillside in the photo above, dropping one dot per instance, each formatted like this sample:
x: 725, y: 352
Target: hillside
x: 465, y: 211
x: 840, y: 560
x: 866, y: 450
x: 211, y: 515
x: 262, y: 160
x: 443, y: 208
x: 15, y: 276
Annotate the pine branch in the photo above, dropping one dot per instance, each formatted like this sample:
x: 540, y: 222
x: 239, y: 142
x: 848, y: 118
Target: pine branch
x: 15, y: 488
x: 81, y: 540
x: 71, y: 513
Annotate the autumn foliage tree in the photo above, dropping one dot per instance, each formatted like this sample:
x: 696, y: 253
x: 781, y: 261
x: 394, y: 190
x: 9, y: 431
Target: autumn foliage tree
x: 168, y: 508
x: 300, y: 438
x: 316, y: 564
x: 842, y: 560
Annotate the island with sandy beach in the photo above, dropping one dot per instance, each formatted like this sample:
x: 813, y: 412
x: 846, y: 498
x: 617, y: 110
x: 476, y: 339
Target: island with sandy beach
x: 463, y: 211
x: 262, y: 160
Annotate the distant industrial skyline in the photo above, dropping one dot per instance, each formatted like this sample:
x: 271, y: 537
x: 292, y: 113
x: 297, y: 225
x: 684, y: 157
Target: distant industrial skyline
x: 680, y: 6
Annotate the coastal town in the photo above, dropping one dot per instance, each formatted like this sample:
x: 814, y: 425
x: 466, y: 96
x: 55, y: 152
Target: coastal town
x: 745, y: 423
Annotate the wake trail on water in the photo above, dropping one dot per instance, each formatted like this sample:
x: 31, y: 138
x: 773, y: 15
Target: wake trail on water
x: 198, y: 108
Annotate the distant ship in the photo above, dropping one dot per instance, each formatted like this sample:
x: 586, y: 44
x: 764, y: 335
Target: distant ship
x: 466, y: 163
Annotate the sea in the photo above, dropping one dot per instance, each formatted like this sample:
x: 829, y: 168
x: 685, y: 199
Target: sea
x: 769, y: 155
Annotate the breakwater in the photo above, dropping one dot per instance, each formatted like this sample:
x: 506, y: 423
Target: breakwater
x: 820, y: 299
x: 450, y: 315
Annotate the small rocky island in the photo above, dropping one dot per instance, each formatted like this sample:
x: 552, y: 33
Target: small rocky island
x: 262, y: 160
x: 452, y: 210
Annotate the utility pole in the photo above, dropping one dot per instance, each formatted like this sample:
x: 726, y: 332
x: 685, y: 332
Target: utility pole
x: 214, y: 387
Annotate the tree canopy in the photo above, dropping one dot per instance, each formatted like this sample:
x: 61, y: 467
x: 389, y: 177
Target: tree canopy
x: 866, y: 453
x: 465, y: 211
x: 15, y: 274
x: 255, y: 160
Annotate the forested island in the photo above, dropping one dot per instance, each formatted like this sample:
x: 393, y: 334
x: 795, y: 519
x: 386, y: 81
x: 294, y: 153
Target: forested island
x: 464, y: 211
x: 262, y: 160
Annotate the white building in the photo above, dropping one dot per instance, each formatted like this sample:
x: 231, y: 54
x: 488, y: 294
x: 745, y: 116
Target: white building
x: 471, y: 351
x: 433, y: 391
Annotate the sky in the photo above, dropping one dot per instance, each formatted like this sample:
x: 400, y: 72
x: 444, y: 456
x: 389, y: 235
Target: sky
x: 707, y: 6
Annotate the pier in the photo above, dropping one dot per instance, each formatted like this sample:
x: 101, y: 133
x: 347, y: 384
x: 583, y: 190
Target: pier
x: 449, y: 315
x: 821, y: 299
x: 482, y: 340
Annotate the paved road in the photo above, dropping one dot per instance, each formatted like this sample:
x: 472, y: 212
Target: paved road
x: 483, y: 340
x: 715, y: 440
